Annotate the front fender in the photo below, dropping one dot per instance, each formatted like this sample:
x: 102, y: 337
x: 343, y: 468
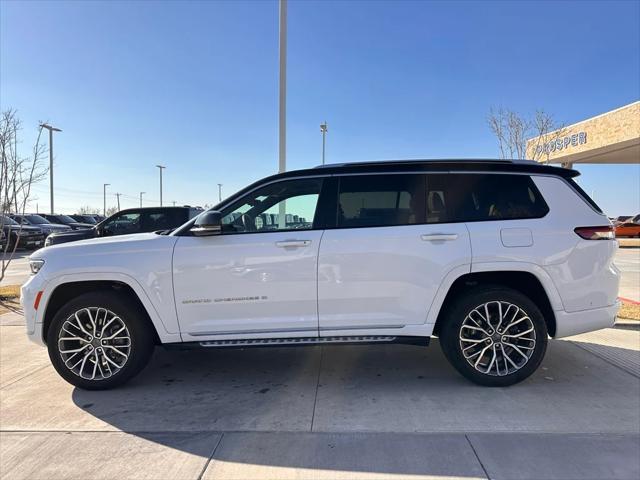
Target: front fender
x: 165, y: 323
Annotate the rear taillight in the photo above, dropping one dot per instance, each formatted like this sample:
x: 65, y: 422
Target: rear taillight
x: 596, y: 233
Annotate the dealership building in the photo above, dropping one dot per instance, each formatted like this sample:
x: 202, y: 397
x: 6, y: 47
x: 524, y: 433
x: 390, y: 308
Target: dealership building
x: 612, y: 137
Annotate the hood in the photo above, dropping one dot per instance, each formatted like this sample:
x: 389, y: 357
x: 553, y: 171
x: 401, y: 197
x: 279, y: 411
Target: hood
x: 107, y: 249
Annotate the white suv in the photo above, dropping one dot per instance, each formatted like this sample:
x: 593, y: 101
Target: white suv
x: 490, y: 256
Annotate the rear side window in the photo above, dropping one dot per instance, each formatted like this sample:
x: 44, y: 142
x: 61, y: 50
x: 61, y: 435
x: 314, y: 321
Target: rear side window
x: 380, y: 200
x: 482, y: 197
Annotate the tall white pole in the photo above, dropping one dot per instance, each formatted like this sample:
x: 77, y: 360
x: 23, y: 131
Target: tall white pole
x: 323, y: 129
x: 282, y: 123
x: 161, y: 168
x: 141, y: 193
x: 282, y: 126
x: 51, y: 130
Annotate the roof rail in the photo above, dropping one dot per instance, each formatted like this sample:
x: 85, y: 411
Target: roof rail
x: 426, y: 160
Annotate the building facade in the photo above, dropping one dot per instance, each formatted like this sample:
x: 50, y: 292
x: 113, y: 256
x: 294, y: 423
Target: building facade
x: 612, y: 137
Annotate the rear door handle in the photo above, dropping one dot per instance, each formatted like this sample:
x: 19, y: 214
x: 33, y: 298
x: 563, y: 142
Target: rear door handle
x: 439, y: 237
x: 293, y: 243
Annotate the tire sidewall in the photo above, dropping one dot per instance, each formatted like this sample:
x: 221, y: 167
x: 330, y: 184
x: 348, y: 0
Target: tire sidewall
x: 453, y: 322
x: 141, y: 339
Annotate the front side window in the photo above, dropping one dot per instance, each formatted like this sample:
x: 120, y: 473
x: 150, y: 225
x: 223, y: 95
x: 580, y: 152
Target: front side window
x: 286, y: 205
x: 380, y: 200
x: 472, y: 197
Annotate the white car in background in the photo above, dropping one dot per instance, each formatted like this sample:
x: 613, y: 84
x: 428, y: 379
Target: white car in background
x: 493, y: 257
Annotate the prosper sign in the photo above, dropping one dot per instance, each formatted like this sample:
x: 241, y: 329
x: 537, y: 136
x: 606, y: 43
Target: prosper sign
x: 564, y: 143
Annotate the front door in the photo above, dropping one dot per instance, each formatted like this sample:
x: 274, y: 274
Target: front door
x: 259, y: 277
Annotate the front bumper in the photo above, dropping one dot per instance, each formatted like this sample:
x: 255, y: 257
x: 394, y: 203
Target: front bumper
x: 33, y: 317
x: 574, y: 323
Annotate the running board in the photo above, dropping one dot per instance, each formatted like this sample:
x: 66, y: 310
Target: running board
x: 302, y: 341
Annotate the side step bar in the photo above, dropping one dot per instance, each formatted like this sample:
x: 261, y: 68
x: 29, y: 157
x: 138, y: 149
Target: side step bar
x: 301, y: 341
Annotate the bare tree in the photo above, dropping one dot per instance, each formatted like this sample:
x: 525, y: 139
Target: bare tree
x: 87, y: 210
x: 111, y: 211
x: 514, y: 131
x: 17, y: 176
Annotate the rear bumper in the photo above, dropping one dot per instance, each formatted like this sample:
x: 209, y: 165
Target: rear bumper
x: 573, y: 323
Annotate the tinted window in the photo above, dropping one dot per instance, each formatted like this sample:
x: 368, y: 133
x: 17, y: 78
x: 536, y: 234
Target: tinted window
x: 478, y: 197
x: 163, y: 219
x: 380, y: 200
x: 36, y: 219
x: 288, y: 205
x: 122, y: 224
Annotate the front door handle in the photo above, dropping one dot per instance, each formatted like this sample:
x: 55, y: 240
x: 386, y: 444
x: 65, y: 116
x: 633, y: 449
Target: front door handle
x: 439, y: 237
x: 293, y: 243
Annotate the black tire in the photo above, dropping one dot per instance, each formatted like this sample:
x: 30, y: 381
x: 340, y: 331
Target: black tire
x: 140, y: 342
x: 466, y: 305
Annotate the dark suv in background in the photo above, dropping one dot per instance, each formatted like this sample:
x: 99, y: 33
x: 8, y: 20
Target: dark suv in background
x: 67, y: 220
x: 24, y: 236
x: 36, y: 220
x: 133, y: 220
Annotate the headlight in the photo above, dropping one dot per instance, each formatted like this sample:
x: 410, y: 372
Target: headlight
x: 36, y: 264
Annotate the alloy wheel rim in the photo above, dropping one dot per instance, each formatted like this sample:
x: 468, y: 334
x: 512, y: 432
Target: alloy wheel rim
x: 497, y: 338
x: 94, y: 343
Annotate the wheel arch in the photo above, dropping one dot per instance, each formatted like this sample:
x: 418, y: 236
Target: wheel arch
x: 65, y: 291
x: 524, y: 281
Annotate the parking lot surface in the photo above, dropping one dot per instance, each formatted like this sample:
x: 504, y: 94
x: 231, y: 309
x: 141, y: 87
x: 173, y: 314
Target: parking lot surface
x: 325, y: 412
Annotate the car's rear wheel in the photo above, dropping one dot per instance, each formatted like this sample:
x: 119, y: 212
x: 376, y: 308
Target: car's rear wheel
x: 494, y: 336
x: 99, y: 341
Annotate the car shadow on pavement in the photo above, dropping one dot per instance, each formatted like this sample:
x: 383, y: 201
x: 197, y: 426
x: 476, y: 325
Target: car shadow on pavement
x: 356, y: 390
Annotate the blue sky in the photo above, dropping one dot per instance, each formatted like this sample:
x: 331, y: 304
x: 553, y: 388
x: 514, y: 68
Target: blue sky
x: 193, y: 86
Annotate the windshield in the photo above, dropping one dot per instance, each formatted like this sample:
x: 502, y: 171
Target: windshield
x: 37, y: 219
x: 88, y: 219
x: 8, y: 221
x: 66, y: 219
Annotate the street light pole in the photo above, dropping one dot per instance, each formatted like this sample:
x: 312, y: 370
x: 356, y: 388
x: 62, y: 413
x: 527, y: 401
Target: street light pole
x: 282, y: 125
x: 282, y: 117
x: 104, y: 198
x: 141, y: 193
x: 161, y: 168
x: 219, y: 192
x: 118, y: 196
x: 324, y: 130
x: 51, y: 130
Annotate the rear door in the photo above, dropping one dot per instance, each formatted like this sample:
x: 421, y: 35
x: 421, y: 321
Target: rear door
x: 392, y: 244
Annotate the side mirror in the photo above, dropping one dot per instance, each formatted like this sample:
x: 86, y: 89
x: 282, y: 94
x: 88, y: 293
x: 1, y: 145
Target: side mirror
x: 207, y: 224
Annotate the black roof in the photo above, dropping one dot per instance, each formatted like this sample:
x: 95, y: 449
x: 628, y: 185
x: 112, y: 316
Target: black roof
x: 435, y: 165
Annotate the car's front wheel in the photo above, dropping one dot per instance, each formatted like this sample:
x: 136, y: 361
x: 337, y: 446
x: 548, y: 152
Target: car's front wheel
x: 494, y: 336
x: 99, y: 341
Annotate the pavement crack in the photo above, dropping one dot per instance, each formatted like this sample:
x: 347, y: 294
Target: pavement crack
x: 213, y: 452
x: 315, y: 399
x: 477, y: 457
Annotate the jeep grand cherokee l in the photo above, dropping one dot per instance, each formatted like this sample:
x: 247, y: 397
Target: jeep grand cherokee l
x: 493, y: 257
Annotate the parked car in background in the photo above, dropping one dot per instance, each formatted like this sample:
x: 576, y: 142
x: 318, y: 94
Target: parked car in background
x: 67, y: 220
x: 628, y: 228
x: 98, y: 218
x: 25, y: 236
x: 42, y: 223
x: 492, y: 257
x: 132, y: 220
x: 90, y: 219
x: 621, y: 219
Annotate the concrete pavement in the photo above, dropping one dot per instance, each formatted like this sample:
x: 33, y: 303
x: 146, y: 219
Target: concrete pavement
x: 628, y: 261
x: 18, y: 271
x: 324, y: 412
